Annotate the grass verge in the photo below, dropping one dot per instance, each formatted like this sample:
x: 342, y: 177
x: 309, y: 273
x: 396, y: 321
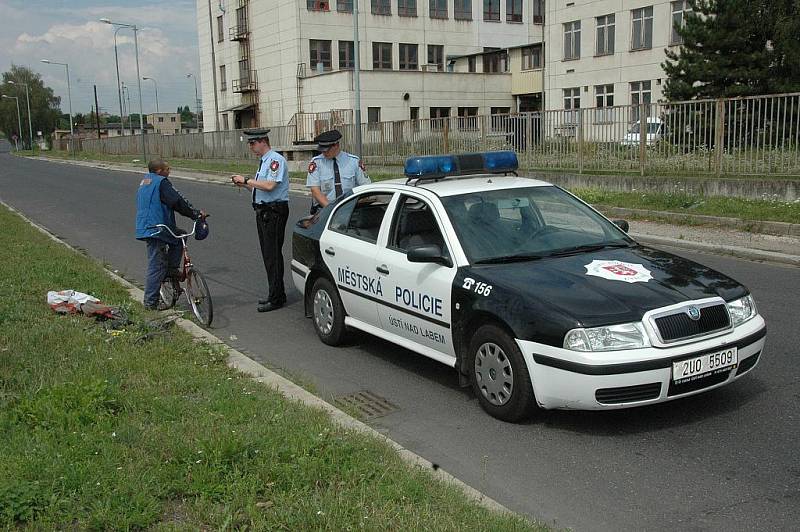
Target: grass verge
x: 103, y: 429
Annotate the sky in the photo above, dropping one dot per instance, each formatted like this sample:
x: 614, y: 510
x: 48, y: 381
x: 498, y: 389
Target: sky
x: 69, y: 31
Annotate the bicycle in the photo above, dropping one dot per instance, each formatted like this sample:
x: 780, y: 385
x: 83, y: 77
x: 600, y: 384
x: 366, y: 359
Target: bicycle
x: 196, y: 287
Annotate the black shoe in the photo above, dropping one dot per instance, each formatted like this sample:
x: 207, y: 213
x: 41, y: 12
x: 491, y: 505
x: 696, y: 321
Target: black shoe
x: 269, y: 306
x: 263, y: 301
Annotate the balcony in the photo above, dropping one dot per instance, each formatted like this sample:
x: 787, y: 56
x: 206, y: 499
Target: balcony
x: 240, y: 32
x: 249, y: 83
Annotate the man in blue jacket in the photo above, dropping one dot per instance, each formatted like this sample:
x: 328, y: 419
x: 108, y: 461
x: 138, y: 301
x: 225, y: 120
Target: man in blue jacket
x: 156, y: 203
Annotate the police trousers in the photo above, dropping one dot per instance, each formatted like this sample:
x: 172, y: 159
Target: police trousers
x: 271, y: 223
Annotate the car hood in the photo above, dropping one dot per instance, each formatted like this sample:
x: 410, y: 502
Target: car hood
x: 565, y: 285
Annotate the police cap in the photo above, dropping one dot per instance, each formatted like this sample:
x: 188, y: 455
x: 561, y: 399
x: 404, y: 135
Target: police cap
x: 255, y: 134
x: 327, y: 139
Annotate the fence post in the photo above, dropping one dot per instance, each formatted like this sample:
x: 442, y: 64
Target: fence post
x: 719, y: 135
x: 580, y: 141
x: 528, y: 138
x: 383, y: 141
x: 446, y: 135
x: 643, y: 129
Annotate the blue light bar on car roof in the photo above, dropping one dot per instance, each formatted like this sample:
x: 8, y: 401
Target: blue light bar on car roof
x: 439, y: 166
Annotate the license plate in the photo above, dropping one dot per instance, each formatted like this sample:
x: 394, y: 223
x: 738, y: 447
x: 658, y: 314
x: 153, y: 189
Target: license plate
x: 704, y: 365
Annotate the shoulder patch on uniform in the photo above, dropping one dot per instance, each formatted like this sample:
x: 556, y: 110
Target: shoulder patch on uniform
x: 312, y: 166
x: 274, y: 165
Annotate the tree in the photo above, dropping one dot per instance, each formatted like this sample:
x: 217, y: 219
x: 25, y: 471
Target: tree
x: 735, y: 48
x: 44, y: 104
x: 186, y: 114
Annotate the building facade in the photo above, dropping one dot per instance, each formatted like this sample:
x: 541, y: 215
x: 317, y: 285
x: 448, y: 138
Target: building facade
x: 165, y: 123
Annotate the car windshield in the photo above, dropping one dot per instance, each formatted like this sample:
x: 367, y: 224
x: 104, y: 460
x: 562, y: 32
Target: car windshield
x: 530, y: 223
x: 652, y: 127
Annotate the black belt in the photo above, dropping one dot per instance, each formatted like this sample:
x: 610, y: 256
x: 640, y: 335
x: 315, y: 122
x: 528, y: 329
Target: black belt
x: 269, y: 204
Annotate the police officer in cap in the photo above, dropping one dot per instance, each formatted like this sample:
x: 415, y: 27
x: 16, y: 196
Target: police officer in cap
x: 270, y: 188
x: 333, y: 172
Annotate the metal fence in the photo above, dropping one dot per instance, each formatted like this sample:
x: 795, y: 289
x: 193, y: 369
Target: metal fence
x: 743, y: 136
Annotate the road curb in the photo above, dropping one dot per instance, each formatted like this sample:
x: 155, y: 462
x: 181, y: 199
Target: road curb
x: 290, y: 390
x: 735, y: 251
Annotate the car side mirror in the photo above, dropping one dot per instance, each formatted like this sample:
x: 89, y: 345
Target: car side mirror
x: 430, y: 253
x: 622, y: 224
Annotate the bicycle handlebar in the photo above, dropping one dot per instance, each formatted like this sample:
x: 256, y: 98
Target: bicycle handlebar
x: 182, y: 237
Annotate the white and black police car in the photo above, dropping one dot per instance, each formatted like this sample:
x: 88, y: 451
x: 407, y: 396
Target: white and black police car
x: 529, y: 293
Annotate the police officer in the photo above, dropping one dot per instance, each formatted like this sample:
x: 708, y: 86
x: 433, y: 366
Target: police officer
x: 270, y: 188
x: 333, y: 172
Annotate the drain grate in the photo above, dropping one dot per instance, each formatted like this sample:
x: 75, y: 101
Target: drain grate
x: 366, y: 403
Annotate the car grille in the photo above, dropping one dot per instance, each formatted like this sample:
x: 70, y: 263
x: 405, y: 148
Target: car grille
x: 678, y: 326
x: 628, y: 394
x: 747, y: 364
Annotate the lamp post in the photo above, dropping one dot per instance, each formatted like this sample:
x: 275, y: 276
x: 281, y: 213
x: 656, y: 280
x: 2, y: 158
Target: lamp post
x: 196, y: 99
x: 138, y: 76
x: 69, y: 97
x: 28, y: 100
x: 119, y: 87
x: 156, y: 87
x: 19, y: 121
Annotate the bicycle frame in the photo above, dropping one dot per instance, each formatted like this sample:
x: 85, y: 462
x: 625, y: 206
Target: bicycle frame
x: 186, y: 259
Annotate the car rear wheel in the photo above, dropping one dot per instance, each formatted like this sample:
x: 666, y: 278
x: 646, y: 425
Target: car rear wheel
x: 500, y: 377
x: 328, y: 312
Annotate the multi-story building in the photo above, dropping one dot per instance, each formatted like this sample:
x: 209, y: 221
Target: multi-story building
x: 263, y: 61
x: 165, y: 123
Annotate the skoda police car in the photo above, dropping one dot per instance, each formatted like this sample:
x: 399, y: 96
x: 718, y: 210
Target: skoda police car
x: 532, y: 296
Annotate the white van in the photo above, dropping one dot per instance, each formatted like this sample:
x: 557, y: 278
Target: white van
x: 655, y: 132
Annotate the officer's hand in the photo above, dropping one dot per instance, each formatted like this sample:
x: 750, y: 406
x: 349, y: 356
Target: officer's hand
x: 237, y: 180
x: 204, y: 215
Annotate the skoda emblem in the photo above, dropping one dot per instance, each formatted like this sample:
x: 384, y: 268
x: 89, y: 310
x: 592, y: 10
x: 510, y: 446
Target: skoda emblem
x: 693, y: 313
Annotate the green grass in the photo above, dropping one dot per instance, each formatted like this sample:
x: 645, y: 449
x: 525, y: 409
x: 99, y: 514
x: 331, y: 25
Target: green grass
x: 745, y: 209
x: 99, y: 430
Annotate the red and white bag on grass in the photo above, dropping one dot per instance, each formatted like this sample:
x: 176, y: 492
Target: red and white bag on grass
x: 69, y: 301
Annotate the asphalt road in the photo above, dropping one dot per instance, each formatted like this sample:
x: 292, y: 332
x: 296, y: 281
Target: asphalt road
x: 725, y: 460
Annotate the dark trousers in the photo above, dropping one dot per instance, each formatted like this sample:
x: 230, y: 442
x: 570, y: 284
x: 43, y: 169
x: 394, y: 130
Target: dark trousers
x: 161, y: 258
x: 271, y: 223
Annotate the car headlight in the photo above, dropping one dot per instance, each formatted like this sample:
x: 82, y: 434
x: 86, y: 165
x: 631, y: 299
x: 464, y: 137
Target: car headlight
x: 610, y: 338
x: 742, y: 310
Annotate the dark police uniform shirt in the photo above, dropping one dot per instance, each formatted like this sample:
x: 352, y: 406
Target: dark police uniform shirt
x: 351, y: 172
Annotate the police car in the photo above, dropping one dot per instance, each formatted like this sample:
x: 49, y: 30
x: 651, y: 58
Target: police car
x: 532, y: 296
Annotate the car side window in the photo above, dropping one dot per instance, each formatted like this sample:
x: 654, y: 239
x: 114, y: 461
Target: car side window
x: 362, y: 216
x: 415, y: 225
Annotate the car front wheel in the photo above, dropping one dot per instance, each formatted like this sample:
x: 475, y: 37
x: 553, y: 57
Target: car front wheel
x: 500, y: 377
x: 328, y: 312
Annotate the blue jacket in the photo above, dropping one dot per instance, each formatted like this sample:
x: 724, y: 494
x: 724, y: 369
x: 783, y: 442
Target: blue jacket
x: 151, y: 211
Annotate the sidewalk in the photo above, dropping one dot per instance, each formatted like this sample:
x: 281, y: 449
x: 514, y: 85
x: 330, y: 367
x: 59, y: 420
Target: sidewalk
x: 721, y: 236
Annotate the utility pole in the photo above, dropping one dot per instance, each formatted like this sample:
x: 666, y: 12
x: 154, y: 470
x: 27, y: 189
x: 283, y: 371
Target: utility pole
x: 97, y: 111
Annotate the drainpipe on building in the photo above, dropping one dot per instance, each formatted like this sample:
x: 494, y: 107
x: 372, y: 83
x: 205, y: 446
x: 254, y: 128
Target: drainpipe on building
x: 213, y: 67
x: 357, y: 75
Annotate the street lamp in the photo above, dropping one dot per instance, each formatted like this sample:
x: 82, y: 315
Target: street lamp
x: 119, y: 87
x: 69, y: 97
x: 196, y: 99
x: 19, y: 121
x: 138, y: 76
x: 156, y: 86
x: 28, y: 99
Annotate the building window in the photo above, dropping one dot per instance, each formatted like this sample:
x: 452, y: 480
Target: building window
x: 320, y: 55
x: 346, y: 55
x: 223, y: 82
x: 414, y: 113
x: 408, y: 57
x: 220, y: 29
x: 172, y: 119
x: 462, y: 9
x: 513, y: 10
x: 604, y: 96
x: 382, y: 56
x: 344, y: 6
x: 407, y: 8
x: 438, y: 8
x: 572, y: 40
x: 605, y: 34
x: 498, y: 118
x: 538, y: 11
x: 381, y: 7
x: 531, y: 57
x: 640, y: 93
x: 468, y: 118
x: 572, y: 102
x: 161, y: 119
x: 436, y: 56
x: 438, y: 117
x: 373, y: 117
x: 495, y: 61
x: 318, y: 5
x: 491, y: 10
x: 678, y: 20
x: 642, y: 36
x: 472, y: 64
x: 225, y: 124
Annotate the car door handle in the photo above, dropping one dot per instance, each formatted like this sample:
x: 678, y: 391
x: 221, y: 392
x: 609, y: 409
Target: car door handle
x: 330, y: 252
x: 383, y: 269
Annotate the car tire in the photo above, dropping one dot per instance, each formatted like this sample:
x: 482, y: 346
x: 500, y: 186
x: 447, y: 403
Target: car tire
x: 327, y: 312
x: 499, y: 375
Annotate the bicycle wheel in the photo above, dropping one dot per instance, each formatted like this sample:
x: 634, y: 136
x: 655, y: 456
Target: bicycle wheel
x: 199, y: 297
x: 169, y: 292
